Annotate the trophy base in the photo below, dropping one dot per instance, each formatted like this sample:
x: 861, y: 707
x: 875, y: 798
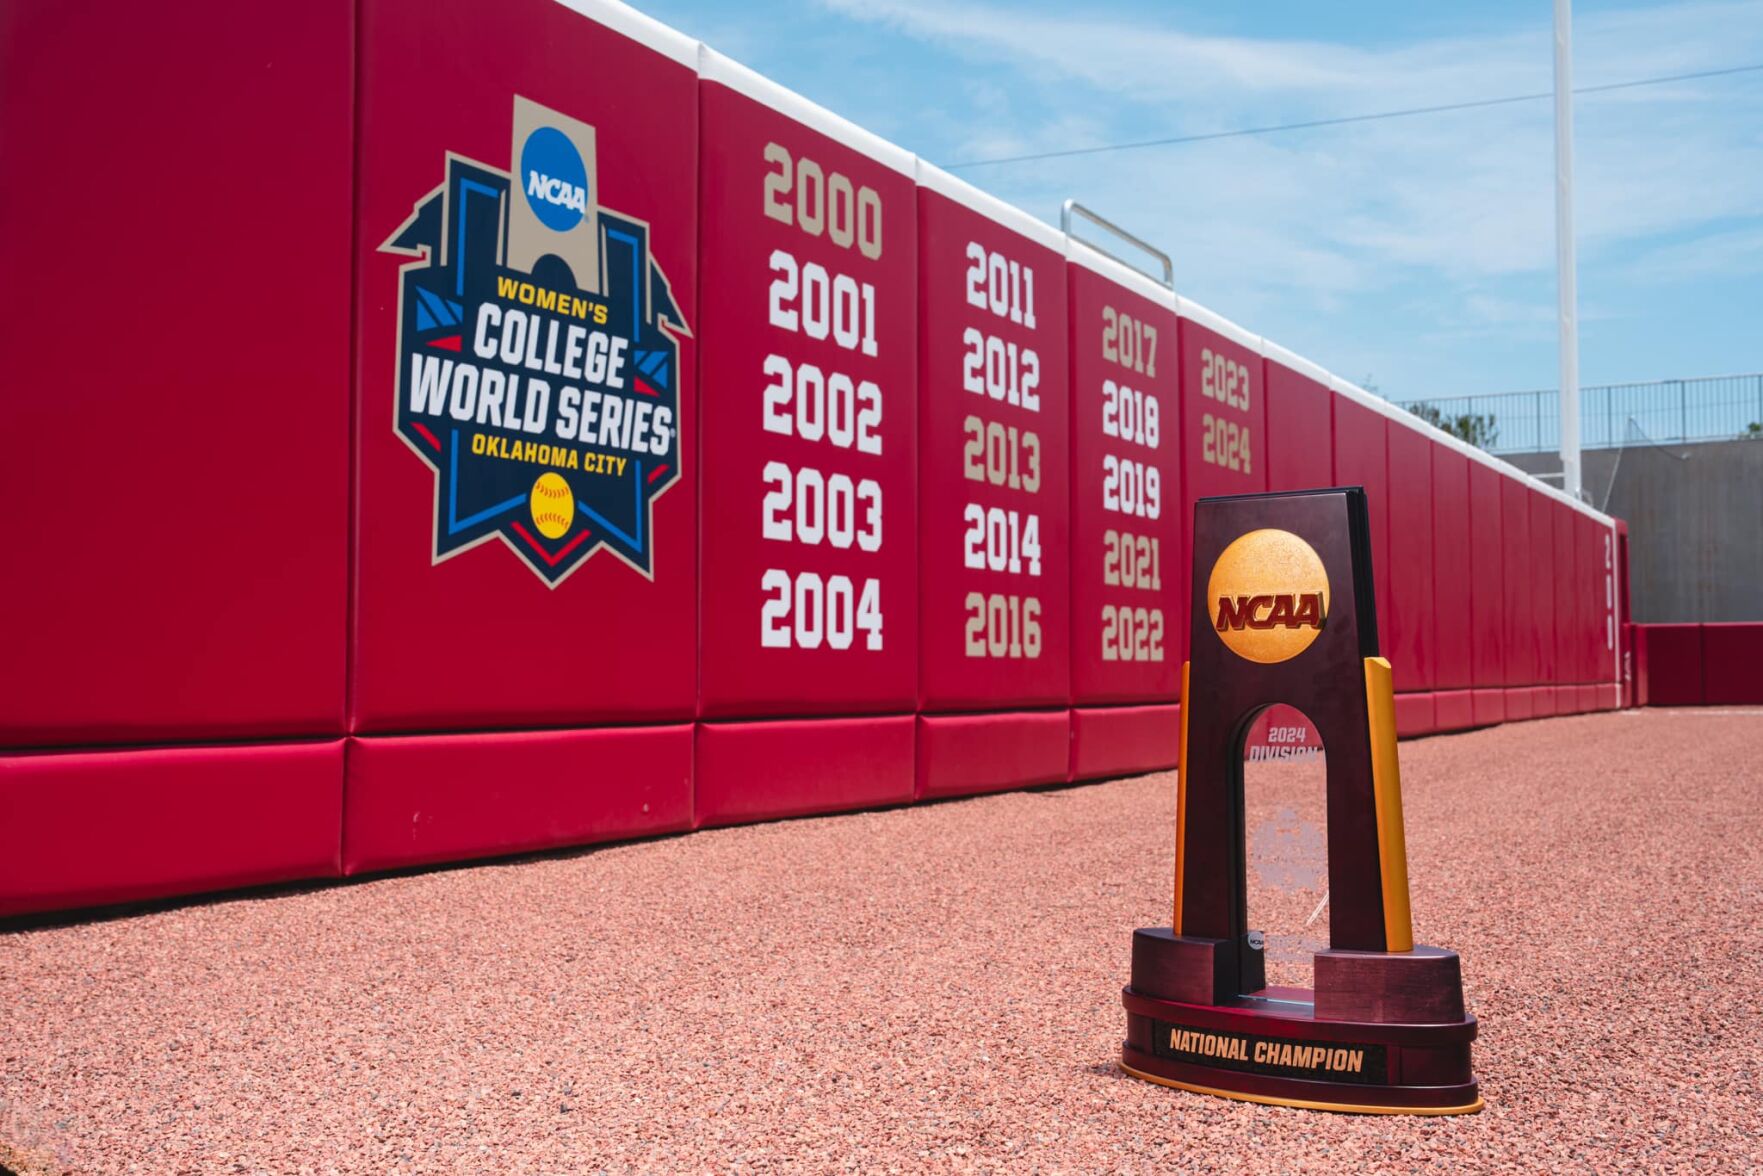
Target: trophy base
x: 1383, y: 1033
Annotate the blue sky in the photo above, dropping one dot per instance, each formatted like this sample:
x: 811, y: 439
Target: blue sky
x: 1418, y: 252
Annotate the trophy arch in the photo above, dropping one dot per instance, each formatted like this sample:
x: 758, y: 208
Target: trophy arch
x: 1282, y: 770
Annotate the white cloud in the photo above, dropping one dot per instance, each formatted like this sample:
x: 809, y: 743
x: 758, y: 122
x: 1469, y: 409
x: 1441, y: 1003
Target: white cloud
x: 1468, y: 196
x: 1725, y: 253
x: 1156, y: 65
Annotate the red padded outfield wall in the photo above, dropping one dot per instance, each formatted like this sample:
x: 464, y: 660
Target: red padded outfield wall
x: 1300, y: 422
x: 1519, y: 594
x: 1487, y: 596
x: 525, y: 526
x: 176, y: 461
x: 1408, y: 642
x: 1569, y: 609
x: 186, y: 488
x: 1223, y: 415
x: 1128, y: 564
x: 993, y: 476
x: 1453, y: 586
x: 1546, y: 600
x: 703, y: 458
x: 1500, y: 578
x: 808, y: 594
x: 1711, y: 664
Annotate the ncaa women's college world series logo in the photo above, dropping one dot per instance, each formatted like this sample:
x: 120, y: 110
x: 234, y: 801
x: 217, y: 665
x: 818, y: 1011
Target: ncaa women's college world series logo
x: 538, y: 366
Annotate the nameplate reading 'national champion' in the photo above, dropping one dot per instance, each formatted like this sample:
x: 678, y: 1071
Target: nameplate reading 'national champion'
x: 1252, y: 1054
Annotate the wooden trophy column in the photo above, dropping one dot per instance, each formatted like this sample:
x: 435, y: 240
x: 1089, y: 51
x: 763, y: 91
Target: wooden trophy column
x: 1283, y: 613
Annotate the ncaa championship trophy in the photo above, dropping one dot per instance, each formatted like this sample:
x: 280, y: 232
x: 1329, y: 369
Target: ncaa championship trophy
x: 1283, y: 613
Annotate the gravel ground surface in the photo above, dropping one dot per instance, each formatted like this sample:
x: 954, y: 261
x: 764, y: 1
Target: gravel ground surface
x: 929, y: 988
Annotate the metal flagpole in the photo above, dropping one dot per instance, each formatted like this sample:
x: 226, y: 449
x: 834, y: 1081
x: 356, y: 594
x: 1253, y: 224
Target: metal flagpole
x: 1566, y: 278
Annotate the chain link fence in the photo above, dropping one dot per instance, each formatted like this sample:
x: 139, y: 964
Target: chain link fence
x: 1708, y: 408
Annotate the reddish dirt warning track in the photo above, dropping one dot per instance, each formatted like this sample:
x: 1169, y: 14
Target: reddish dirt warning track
x: 934, y: 987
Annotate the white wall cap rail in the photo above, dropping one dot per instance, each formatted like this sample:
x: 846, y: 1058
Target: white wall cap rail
x: 1297, y: 363
x: 1081, y: 252
x: 1217, y: 323
x: 989, y: 206
x: 645, y: 30
x: 715, y: 67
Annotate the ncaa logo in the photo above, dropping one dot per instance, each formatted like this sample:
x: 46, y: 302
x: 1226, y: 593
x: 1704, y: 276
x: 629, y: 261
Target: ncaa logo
x: 1269, y: 592
x: 556, y: 180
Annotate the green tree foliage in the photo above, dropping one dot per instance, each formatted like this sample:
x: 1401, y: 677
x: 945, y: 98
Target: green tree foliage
x: 1476, y: 428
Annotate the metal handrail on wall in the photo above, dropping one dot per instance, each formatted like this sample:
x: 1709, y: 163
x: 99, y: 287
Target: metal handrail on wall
x: 1072, y: 209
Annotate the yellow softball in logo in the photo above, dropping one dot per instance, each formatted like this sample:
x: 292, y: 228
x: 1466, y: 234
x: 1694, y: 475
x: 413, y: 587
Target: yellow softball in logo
x: 553, y: 506
x: 1268, y: 594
